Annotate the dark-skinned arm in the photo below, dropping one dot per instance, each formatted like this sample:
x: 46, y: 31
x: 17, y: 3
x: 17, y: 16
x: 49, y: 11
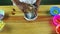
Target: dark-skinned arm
x: 38, y: 3
x: 21, y: 5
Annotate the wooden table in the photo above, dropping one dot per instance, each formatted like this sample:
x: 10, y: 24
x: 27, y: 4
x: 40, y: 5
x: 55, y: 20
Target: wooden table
x: 16, y: 24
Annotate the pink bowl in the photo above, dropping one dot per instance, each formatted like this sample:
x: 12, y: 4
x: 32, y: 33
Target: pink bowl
x: 56, y: 20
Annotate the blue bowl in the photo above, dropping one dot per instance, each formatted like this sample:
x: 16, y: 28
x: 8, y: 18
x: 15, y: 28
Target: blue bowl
x: 54, y: 11
x: 2, y: 13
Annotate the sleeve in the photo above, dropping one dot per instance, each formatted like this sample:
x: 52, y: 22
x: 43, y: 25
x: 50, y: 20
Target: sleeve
x: 28, y: 1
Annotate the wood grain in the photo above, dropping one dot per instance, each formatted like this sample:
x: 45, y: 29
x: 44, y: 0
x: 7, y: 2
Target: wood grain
x: 16, y: 24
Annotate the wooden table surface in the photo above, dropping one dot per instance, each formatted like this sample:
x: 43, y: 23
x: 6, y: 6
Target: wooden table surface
x: 16, y: 24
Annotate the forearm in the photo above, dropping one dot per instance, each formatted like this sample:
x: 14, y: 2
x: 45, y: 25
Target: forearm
x: 20, y: 4
x: 38, y: 3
